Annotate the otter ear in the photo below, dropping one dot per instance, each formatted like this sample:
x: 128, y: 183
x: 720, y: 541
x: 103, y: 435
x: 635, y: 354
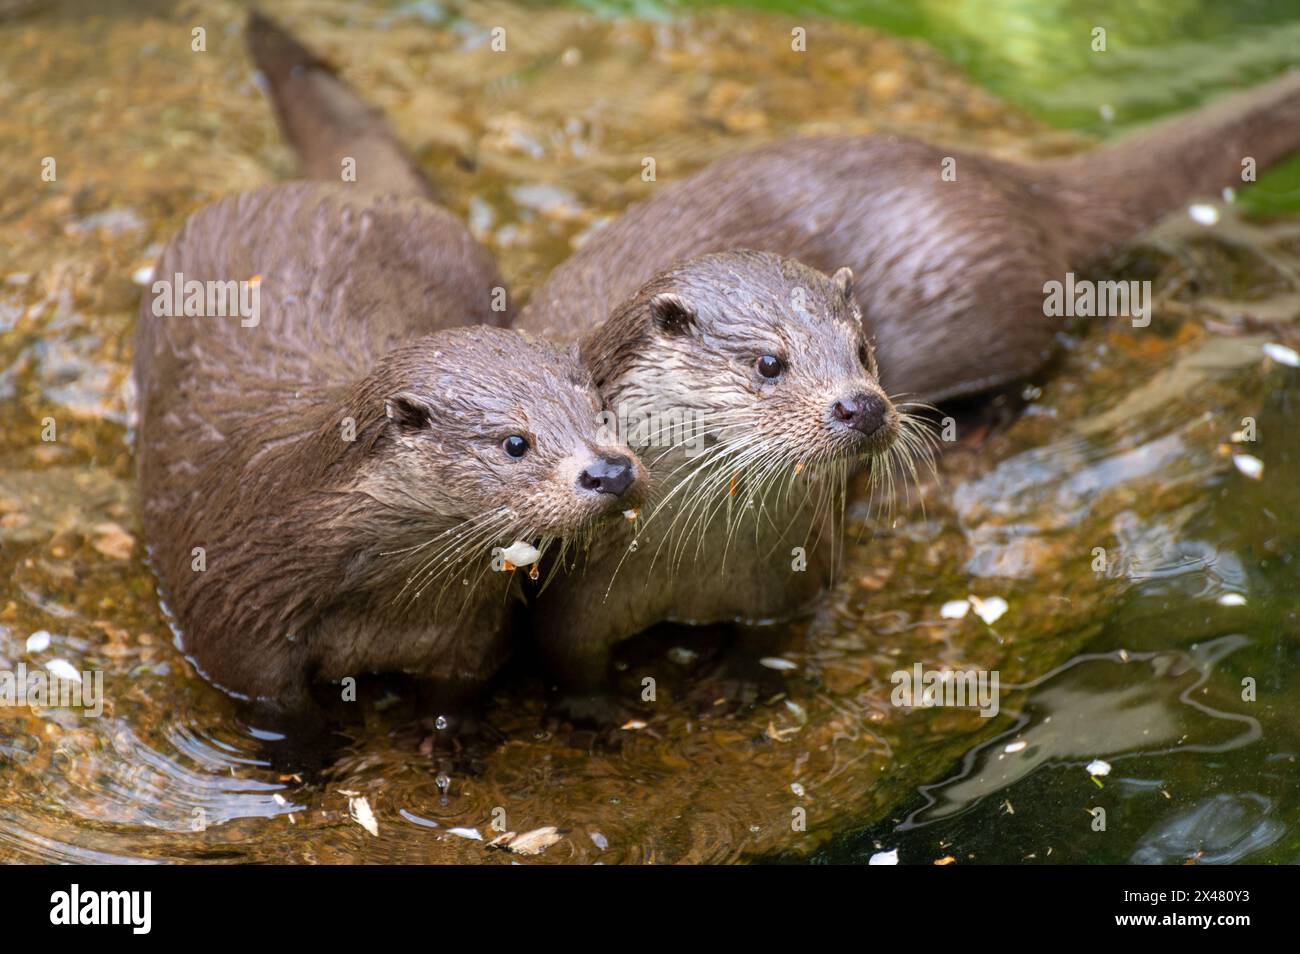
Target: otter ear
x: 671, y: 314
x: 407, y: 410
x: 843, y: 279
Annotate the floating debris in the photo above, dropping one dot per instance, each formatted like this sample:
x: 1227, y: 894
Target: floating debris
x: 416, y: 819
x: 776, y: 662
x: 945, y: 860
x: 63, y: 669
x: 884, y: 858
x: 599, y: 840
x: 38, y: 641
x: 1282, y: 354
x: 955, y: 609
x: 142, y: 275
x: 1018, y: 746
x: 1203, y: 214
x: 797, y: 789
x: 529, y: 843
x: 113, y: 542
x: 780, y: 735
x: 1232, y: 599
x: 632, y: 725
x: 682, y: 656
x: 359, y: 809
x: 1098, y: 768
x: 990, y: 610
x: 470, y: 833
x: 632, y: 515
x: 519, y: 554
x: 1252, y: 467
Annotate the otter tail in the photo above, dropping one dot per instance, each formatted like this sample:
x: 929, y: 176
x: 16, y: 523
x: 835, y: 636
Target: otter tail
x: 1113, y: 192
x: 325, y: 120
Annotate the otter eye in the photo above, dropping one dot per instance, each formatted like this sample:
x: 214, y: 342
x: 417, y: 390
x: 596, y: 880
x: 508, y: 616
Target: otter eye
x: 515, y: 445
x: 770, y: 366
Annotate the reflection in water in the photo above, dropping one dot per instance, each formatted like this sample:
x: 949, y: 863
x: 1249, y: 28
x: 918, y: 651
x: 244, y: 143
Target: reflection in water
x: 1219, y: 830
x: 1108, y: 707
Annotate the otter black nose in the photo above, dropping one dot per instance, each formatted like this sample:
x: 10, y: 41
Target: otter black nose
x: 862, y: 412
x: 608, y: 475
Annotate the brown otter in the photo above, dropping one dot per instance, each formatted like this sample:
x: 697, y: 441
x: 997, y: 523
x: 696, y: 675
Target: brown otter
x: 951, y: 291
x: 323, y: 484
x: 950, y: 273
x: 747, y: 384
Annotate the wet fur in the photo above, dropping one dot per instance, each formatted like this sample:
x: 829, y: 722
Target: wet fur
x: 949, y: 274
x: 717, y: 542
x: 322, y: 554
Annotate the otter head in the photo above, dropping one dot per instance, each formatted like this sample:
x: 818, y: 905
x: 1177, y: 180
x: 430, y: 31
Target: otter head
x: 767, y: 355
x: 488, y: 437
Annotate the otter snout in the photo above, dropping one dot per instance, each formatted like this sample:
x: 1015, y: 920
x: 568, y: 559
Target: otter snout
x: 608, y: 475
x: 863, y: 412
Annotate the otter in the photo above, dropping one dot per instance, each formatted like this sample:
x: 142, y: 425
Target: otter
x: 950, y: 292
x: 950, y: 274
x: 747, y: 383
x: 323, y: 488
x: 333, y: 483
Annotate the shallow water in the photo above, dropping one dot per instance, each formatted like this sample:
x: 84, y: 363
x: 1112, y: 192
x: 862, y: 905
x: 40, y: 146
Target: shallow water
x: 1125, y: 446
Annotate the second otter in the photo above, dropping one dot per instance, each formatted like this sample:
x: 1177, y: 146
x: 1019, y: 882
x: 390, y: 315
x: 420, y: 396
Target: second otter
x: 759, y: 395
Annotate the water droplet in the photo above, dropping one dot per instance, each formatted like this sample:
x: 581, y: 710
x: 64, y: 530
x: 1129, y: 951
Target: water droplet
x: 441, y: 723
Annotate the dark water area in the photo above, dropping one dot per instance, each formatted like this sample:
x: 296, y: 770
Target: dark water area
x: 1175, y: 666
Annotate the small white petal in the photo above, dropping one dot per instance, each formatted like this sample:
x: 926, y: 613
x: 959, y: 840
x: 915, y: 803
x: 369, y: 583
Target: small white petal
x: 884, y: 858
x: 1282, y: 354
x: 1252, y: 467
x: 38, y: 641
x: 1098, y: 767
x: 471, y: 833
x: 1203, y: 214
x: 1232, y: 599
x: 990, y: 610
x: 360, y: 811
x: 142, y: 276
x: 776, y: 662
x: 520, y: 553
x: 63, y: 669
x: 955, y: 609
x: 1018, y: 746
